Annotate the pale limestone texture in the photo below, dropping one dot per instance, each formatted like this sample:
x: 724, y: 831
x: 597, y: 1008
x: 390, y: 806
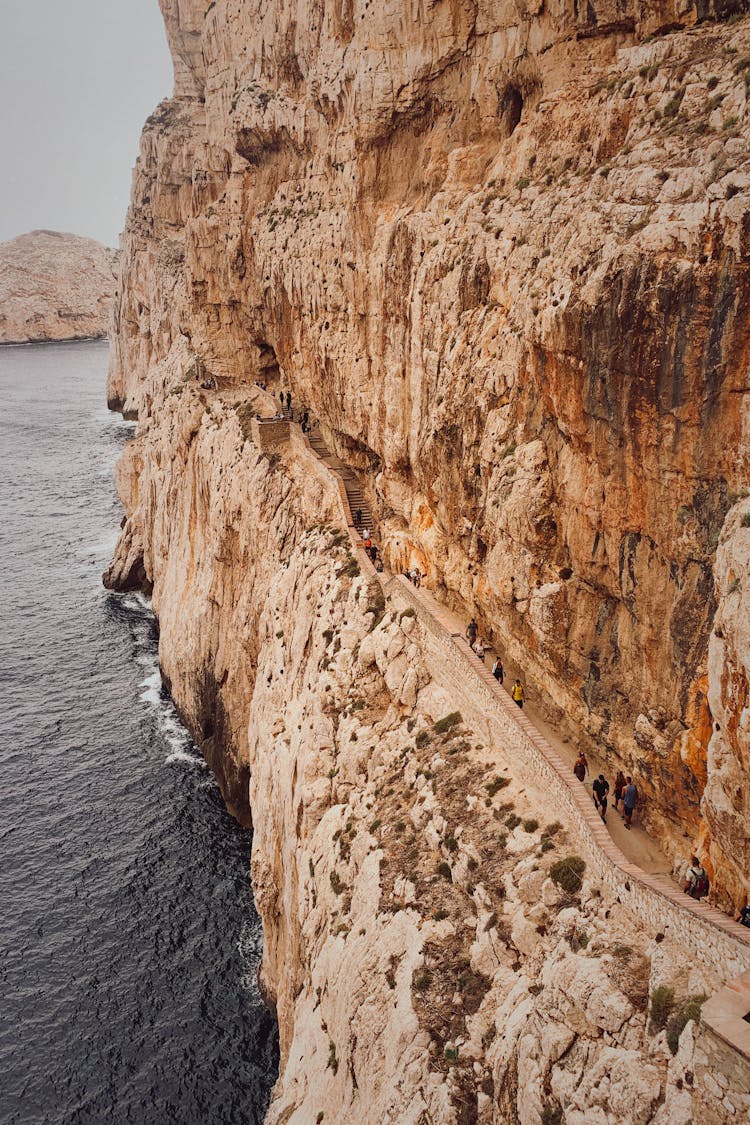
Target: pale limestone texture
x: 502, y: 254
x: 55, y: 287
x: 405, y: 990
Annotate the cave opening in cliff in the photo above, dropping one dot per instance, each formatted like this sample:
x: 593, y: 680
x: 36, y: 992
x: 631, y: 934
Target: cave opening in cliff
x: 268, y: 364
x: 511, y: 109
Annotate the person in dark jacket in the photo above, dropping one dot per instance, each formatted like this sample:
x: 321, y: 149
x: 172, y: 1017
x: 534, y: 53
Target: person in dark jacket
x: 600, y: 789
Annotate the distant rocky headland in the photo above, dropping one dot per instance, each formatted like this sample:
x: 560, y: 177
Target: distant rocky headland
x: 55, y: 286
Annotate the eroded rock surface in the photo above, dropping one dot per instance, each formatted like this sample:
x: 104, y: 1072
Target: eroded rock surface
x: 500, y: 251
x: 55, y: 287
x: 502, y: 254
x: 427, y: 960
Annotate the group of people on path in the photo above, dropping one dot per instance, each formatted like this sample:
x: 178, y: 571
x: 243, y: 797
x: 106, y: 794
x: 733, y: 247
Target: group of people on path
x: 517, y: 691
x: 371, y: 549
x: 625, y: 790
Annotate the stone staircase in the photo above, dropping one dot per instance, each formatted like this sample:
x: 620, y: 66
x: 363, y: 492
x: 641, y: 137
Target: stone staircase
x: 354, y: 493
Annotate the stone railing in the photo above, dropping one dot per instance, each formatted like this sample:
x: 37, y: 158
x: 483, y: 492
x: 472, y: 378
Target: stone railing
x: 268, y: 435
x: 713, y: 937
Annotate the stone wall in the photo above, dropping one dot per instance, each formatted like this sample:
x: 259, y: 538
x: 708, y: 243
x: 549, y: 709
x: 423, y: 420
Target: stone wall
x: 723, y: 944
x: 268, y: 436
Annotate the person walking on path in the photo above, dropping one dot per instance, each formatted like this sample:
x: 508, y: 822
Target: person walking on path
x: 696, y: 880
x: 580, y: 767
x: 744, y: 915
x: 600, y: 789
x: 517, y: 694
x: 472, y: 629
x: 479, y: 649
x: 497, y: 670
x: 357, y: 517
x: 619, y: 786
x: 629, y: 801
x: 289, y: 401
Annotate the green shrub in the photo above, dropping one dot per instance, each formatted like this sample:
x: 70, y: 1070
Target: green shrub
x: 448, y: 722
x: 550, y: 830
x: 440, y: 915
x: 677, y: 1023
x: 422, y: 981
x: 422, y: 740
x: 336, y: 883
x: 444, y: 869
x: 496, y: 785
x: 451, y: 843
x: 661, y: 1005
x: 375, y: 825
x: 352, y: 570
x: 530, y: 825
x: 568, y: 873
x: 333, y: 1062
x: 552, y: 1114
x: 522, y: 183
x: 672, y: 108
x: 746, y: 519
x: 408, y: 612
x: 512, y: 821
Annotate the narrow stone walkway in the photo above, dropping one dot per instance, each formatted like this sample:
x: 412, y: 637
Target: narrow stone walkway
x: 639, y: 875
x: 636, y: 844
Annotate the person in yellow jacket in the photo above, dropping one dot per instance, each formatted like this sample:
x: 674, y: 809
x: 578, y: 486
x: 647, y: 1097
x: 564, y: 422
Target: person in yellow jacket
x: 517, y: 693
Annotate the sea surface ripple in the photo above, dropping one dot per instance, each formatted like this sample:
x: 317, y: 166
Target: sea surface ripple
x: 128, y: 938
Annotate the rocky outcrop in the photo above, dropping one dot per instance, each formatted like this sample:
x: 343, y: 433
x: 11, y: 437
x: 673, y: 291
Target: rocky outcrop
x: 501, y: 253
x: 434, y: 947
x: 503, y: 257
x: 55, y: 287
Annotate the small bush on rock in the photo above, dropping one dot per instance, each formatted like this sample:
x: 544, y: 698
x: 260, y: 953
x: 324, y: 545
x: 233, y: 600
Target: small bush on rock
x: 496, y: 785
x: 552, y: 1114
x: 662, y: 1003
x: 568, y: 873
x: 448, y: 722
x: 677, y: 1023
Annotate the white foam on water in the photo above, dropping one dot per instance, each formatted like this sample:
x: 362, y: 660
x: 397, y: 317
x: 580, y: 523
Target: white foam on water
x: 184, y: 756
x: 152, y: 686
x: 181, y: 751
x: 250, y: 946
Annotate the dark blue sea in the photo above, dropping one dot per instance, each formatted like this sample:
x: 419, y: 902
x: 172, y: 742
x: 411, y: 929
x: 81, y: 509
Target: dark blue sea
x: 129, y: 943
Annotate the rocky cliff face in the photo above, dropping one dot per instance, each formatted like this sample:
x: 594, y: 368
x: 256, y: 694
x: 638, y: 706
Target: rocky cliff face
x: 432, y: 946
x: 502, y: 254
x: 501, y: 251
x: 55, y: 287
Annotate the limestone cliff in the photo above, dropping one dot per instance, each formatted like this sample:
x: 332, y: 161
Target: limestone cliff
x: 501, y: 252
x: 436, y: 950
x: 55, y: 287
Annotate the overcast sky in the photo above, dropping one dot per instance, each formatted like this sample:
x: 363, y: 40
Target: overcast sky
x: 77, y: 80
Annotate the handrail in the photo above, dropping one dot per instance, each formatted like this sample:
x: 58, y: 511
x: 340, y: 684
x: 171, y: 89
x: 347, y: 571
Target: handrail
x: 711, y: 934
